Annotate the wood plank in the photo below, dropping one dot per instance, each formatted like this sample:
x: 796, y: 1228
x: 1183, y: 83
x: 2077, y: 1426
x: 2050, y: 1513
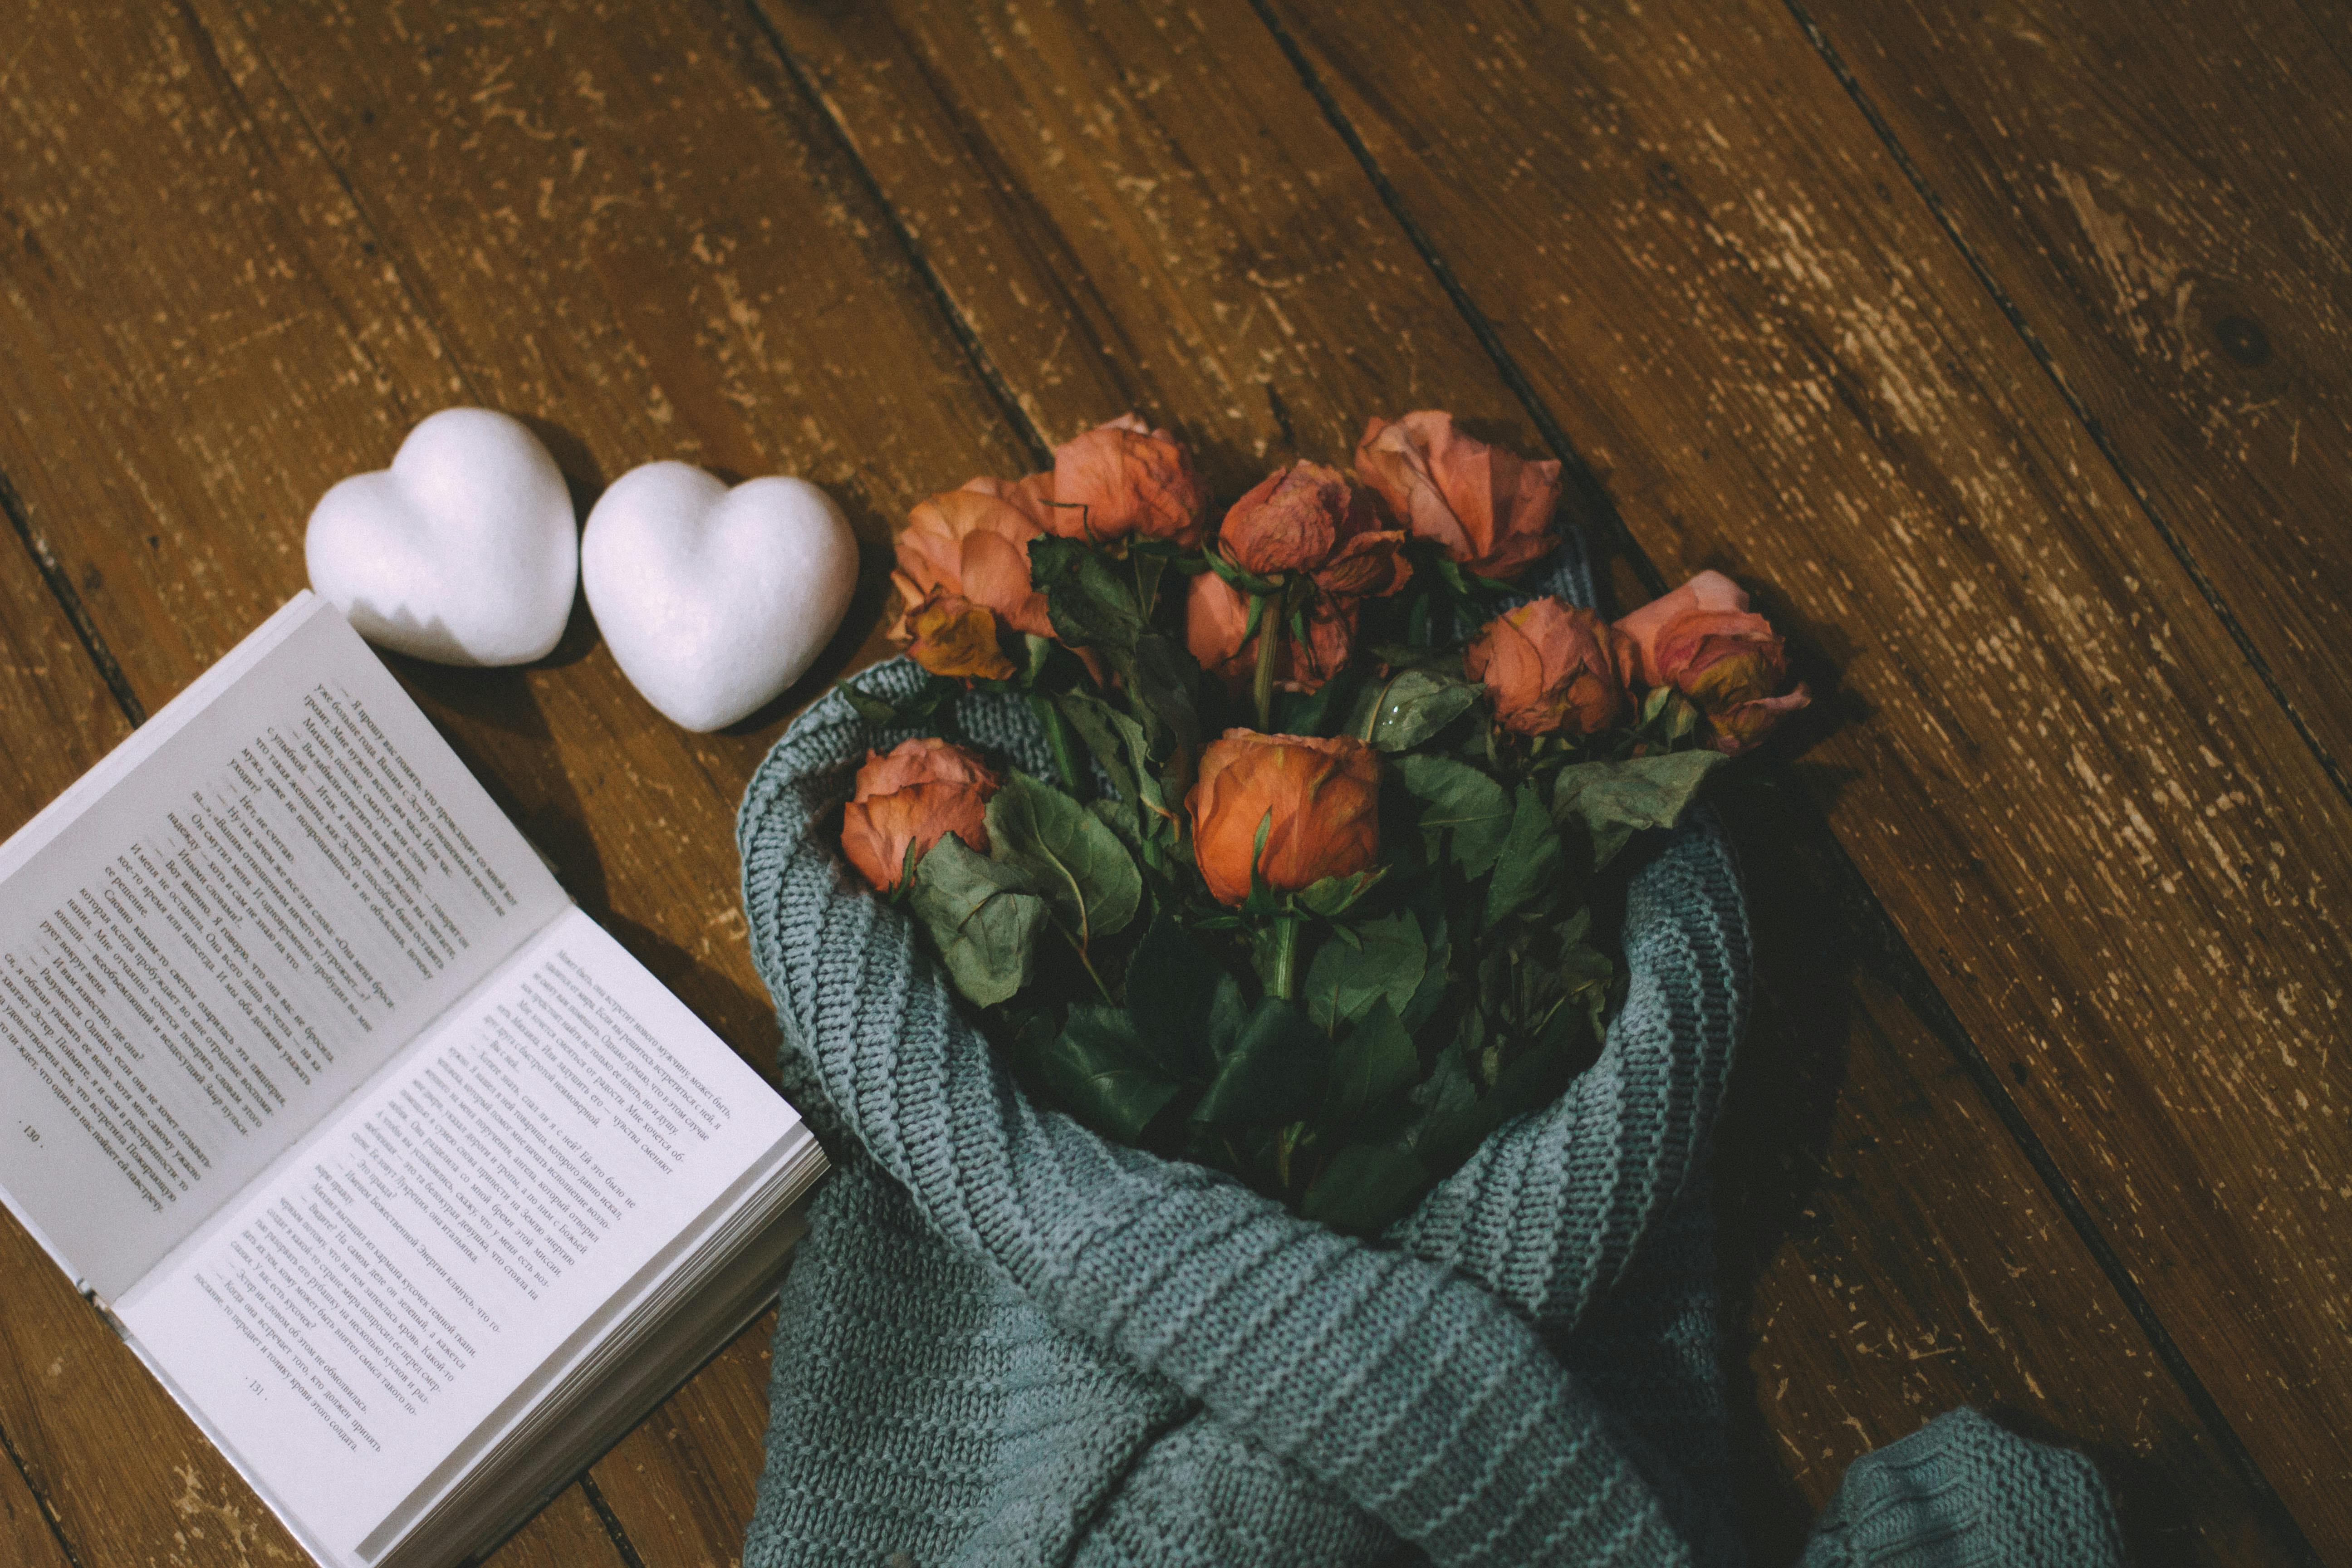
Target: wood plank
x: 685, y: 1481
x: 205, y: 318
x: 2158, y: 190
x: 1085, y: 183
x: 2056, y: 770
x: 26, y: 1537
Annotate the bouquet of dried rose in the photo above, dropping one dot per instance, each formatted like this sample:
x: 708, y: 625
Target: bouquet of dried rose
x: 1333, y: 948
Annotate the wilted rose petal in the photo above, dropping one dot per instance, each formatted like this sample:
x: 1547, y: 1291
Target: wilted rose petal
x: 1550, y: 668
x: 1489, y: 509
x: 923, y: 790
x: 1702, y: 640
x: 1123, y: 478
x: 1318, y: 799
x: 974, y: 542
x: 951, y: 636
x: 1289, y: 522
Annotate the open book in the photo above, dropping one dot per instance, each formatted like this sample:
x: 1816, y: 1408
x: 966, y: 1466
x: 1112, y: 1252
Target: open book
x: 407, y: 1180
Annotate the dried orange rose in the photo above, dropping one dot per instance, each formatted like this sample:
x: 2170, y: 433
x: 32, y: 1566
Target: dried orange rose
x: 950, y: 635
x: 1490, y: 509
x: 1702, y: 641
x: 973, y: 544
x: 1550, y: 667
x: 1124, y: 478
x: 922, y: 790
x: 1319, y: 802
x: 1216, y: 619
x: 1289, y: 521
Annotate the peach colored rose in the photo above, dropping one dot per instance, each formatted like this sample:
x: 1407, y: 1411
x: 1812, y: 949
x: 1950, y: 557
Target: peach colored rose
x: 922, y: 790
x: 1308, y: 518
x: 950, y: 635
x: 1550, y: 668
x: 1216, y: 616
x: 1318, y: 799
x: 1490, y: 509
x: 1289, y: 522
x: 1124, y: 478
x: 1702, y: 641
x: 974, y: 542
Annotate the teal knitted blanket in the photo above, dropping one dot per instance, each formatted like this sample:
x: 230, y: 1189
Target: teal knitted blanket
x: 1008, y: 1341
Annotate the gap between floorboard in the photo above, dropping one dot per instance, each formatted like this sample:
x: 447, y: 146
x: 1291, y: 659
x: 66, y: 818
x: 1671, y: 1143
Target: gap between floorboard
x: 2073, y: 399
x: 1881, y: 941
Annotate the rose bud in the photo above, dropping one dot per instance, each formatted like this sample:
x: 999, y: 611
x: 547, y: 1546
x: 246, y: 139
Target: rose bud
x: 1319, y: 802
x: 1550, y: 667
x: 1490, y: 509
x: 1216, y: 617
x: 922, y: 790
x: 1123, y: 478
x: 1702, y: 640
x: 950, y: 635
x: 973, y: 544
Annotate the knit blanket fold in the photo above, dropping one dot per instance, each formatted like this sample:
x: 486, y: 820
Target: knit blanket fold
x: 1008, y: 1340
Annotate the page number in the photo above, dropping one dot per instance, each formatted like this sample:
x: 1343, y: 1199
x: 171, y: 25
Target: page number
x: 32, y: 1134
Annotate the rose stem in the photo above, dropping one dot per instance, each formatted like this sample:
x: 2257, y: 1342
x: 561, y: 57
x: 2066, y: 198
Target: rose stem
x: 1283, y: 981
x: 1057, y: 742
x: 1269, y: 647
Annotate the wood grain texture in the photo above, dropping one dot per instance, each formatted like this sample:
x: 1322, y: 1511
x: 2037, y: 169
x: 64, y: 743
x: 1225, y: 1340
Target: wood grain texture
x: 2073, y: 797
x: 2159, y: 191
x: 26, y: 1537
x: 225, y: 291
x: 1080, y: 178
x: 685, y: 1481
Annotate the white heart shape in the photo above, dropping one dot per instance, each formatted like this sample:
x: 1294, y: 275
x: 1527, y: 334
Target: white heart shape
x: 713, y: 600
x: 466, y: 551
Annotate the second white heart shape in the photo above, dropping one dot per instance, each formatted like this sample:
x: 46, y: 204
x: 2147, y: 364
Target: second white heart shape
x: 714, y: 600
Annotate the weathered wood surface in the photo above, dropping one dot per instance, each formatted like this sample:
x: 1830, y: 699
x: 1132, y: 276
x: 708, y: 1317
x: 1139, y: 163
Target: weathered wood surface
x: 2160, y: 192
x: 244, y: 248
x: 2076, y: 800
x: 1069, y: 172
x: 178, y: 394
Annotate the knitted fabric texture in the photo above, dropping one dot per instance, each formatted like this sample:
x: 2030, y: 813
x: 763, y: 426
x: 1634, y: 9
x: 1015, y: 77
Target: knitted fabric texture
x: 1007, y: 1340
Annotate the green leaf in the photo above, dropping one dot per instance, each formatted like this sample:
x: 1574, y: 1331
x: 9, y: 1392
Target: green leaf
x: 1371, y: 1061
x: 1324, y: 711
x: 1101, y: 1073
x: 1410, y: 707
x: 1430, y: 994
x: 1458, y: 799
x: 1086, y: 875
x: 1453, y: 1118
x: 1383, y: 964
x: 1173, y: 983
x: 1086, y: 599
x: 983, y: 916
x: 1637, y: 793
x: 1097, y: 723
x: 1335, y: 896
x: 1531, y: 861
x: 1161, y: 678
x: 1365, y: 1188
x: 873, y: 710
x: 1229, y: 1013
x: 1270, y: 1072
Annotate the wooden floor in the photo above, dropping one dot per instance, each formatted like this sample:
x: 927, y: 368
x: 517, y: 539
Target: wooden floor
x: 2006, y: 349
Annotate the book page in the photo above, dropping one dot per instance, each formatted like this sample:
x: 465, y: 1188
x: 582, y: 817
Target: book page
x: 367, y: 1311
x: 210, y: 953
